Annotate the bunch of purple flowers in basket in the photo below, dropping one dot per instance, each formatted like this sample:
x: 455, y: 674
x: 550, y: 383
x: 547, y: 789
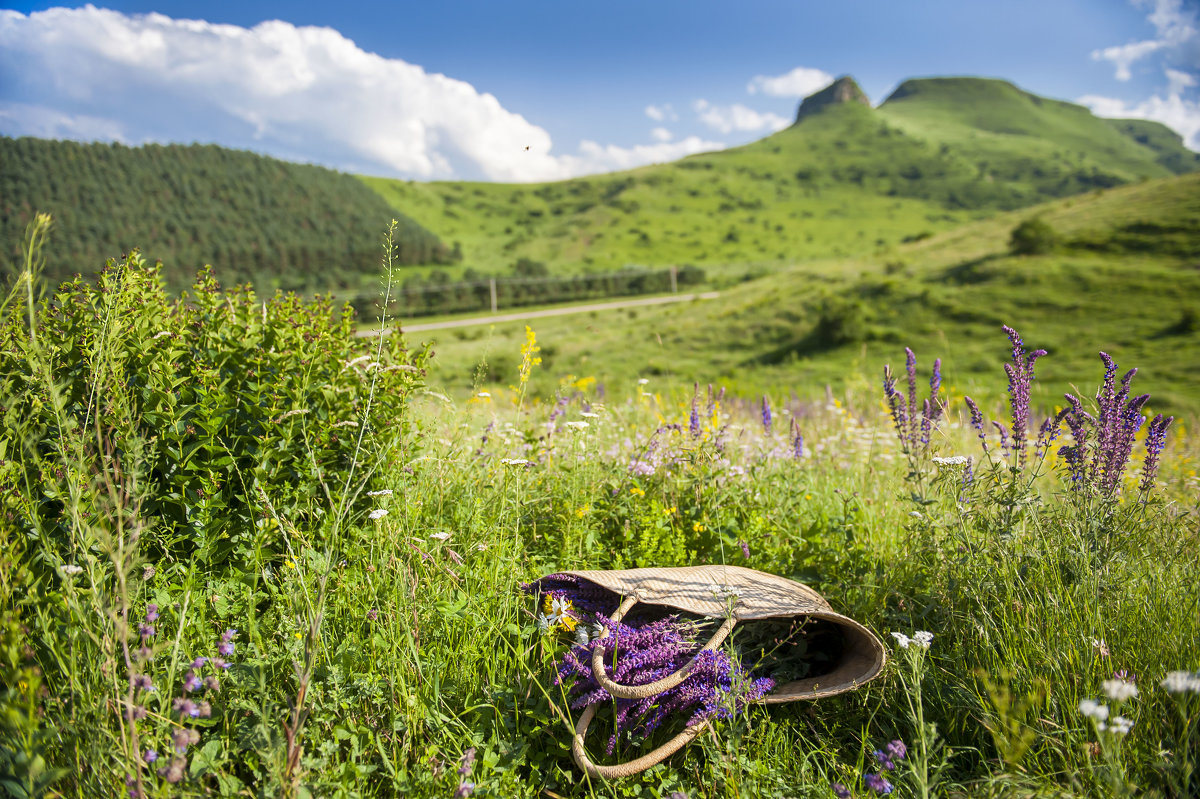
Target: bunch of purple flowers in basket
x: 645, y: 647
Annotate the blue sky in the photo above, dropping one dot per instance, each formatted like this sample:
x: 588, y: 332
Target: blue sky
x: 546, y: 90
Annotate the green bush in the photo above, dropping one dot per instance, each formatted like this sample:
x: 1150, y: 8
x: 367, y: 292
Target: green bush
x: 221, y: 411
x: 1033, y: 237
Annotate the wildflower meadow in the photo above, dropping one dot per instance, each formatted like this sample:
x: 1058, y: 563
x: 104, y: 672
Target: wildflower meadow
x: 249, y: 553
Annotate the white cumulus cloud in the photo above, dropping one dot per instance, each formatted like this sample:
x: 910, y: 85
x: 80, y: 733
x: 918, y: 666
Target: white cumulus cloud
x: 662, y: 113
x: 303, y: 93
x: 800, y: 82
x: 1180, y: 114
x: 594, y: 157
x: 660, y: 134
x: 1176, y: 50
x: 1176, y: 39
x: 737, y: 117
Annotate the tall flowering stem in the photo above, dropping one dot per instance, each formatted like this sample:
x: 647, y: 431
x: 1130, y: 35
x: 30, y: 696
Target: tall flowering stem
x: 914, y: 427
x: 1156, y: 439
x: 1103, y: 443
x: 1020, y: 376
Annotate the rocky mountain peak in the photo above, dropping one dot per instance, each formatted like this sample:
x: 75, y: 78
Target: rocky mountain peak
x: 842, y: 90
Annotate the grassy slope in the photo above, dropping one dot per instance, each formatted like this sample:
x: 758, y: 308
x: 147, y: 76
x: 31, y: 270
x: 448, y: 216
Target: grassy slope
x: 847, y: 181
x: 1115, y: 286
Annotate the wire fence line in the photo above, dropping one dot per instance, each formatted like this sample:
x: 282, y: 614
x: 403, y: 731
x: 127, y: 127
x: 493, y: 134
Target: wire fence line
x: 424, y: 297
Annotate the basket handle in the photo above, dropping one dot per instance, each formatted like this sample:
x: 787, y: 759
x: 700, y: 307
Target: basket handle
x: 658, y: 686
x: 642, y: 763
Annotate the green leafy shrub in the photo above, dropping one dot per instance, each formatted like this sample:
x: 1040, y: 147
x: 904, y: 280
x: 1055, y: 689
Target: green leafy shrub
x: 1033, y: 237
x: 222, y: 410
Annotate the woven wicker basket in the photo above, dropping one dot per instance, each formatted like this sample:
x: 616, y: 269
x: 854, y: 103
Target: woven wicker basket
x: 737, y: 595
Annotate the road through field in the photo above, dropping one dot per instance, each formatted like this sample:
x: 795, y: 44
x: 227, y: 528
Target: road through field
x: 573, y: 309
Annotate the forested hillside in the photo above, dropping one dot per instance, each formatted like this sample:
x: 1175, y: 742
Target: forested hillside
x: 257, y: 219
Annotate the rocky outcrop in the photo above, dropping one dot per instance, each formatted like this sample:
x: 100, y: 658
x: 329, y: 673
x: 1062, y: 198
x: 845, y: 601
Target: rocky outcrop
x: 842, y: 90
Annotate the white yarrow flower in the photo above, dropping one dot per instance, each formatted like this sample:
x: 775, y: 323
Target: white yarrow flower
x: 514, y: 461
x: 440, y: 536
x: 1120, y: 725
x: 484, y: 394
x: 383, y: 492
x: 902, y: 640
x: 1179, y: 682
x: 69, y: 570
x: 923, y: 637
x: 1093, y: 709
x: 953, y: 460
x: 643, y: 381
x: 1119, y: 690
x: 589, y: 415
x: 378, y: 513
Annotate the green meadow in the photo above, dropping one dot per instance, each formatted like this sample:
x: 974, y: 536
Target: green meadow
x: 252, y: 548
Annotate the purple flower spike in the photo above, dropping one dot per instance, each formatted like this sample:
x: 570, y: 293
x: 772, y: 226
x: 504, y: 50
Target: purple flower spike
x: 150, y: 756
x: 840, y: 791
x: 797, y: 440
x: 878, y: 784
x: 1156, y: 439
x: 191, y: 682
x: 1020, y: 376
x: 198, y: 663
x: 910, y: 366
x: 884, y: 761
x: 766, y: 414
x: 977, y: 421
x: 151, y: 613
x: 897, y: 750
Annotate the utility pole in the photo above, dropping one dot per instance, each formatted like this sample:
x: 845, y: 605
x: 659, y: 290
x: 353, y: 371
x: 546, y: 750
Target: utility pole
x: 492, y: 284
x: 674, y: 283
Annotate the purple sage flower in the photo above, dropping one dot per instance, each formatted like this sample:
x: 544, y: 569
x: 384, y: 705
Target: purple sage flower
x: 884, y: 761
x: 151, y: 613
x: 766, y: 414
x: 897, y: 750
x: 150, y: 756
x: 191, y: 682
x: 840, y: 791
x: 1156, y: 440
x: 797, y: 440
x: 877, y: 783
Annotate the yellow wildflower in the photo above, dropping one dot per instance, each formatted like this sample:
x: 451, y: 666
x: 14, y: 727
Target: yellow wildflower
x: 637, y: 492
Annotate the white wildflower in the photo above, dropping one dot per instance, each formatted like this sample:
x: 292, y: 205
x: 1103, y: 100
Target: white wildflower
x: 1119, y: 690
x: 1100, y: 646
x: 162, y: 333
x: 954, y: 460
x: 1093, y: 709
x: 543, y: 623
x: 1179, y: 682
x: 514, y: 461
x: 722, y: 591
x: 484, y: 395
x: 578, y: 425
x: 643, y: 381
x: 902, y: 640
x: 383, y: 492
x: 923, y: 637
x: 916, y: 514
x: 589, y: 415
x: 440, y: 536
x: 69, y: 570
x: 1120, y: 725
x: 581, y: 636
x: 378, y: 513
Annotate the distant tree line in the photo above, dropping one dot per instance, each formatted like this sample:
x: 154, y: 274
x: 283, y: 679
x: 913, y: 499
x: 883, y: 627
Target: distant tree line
x: 255, y: 219
x: 529, y: 283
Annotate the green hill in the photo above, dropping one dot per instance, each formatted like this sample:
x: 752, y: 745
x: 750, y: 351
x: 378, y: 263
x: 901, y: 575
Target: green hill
x: 846, y: 179
x: 254, y: 218
x: 1125, y: 278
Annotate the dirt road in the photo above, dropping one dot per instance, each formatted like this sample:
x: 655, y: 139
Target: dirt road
x: 573, y: 309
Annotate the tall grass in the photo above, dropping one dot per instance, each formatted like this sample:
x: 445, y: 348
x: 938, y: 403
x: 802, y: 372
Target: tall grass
x: 316, y: 568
